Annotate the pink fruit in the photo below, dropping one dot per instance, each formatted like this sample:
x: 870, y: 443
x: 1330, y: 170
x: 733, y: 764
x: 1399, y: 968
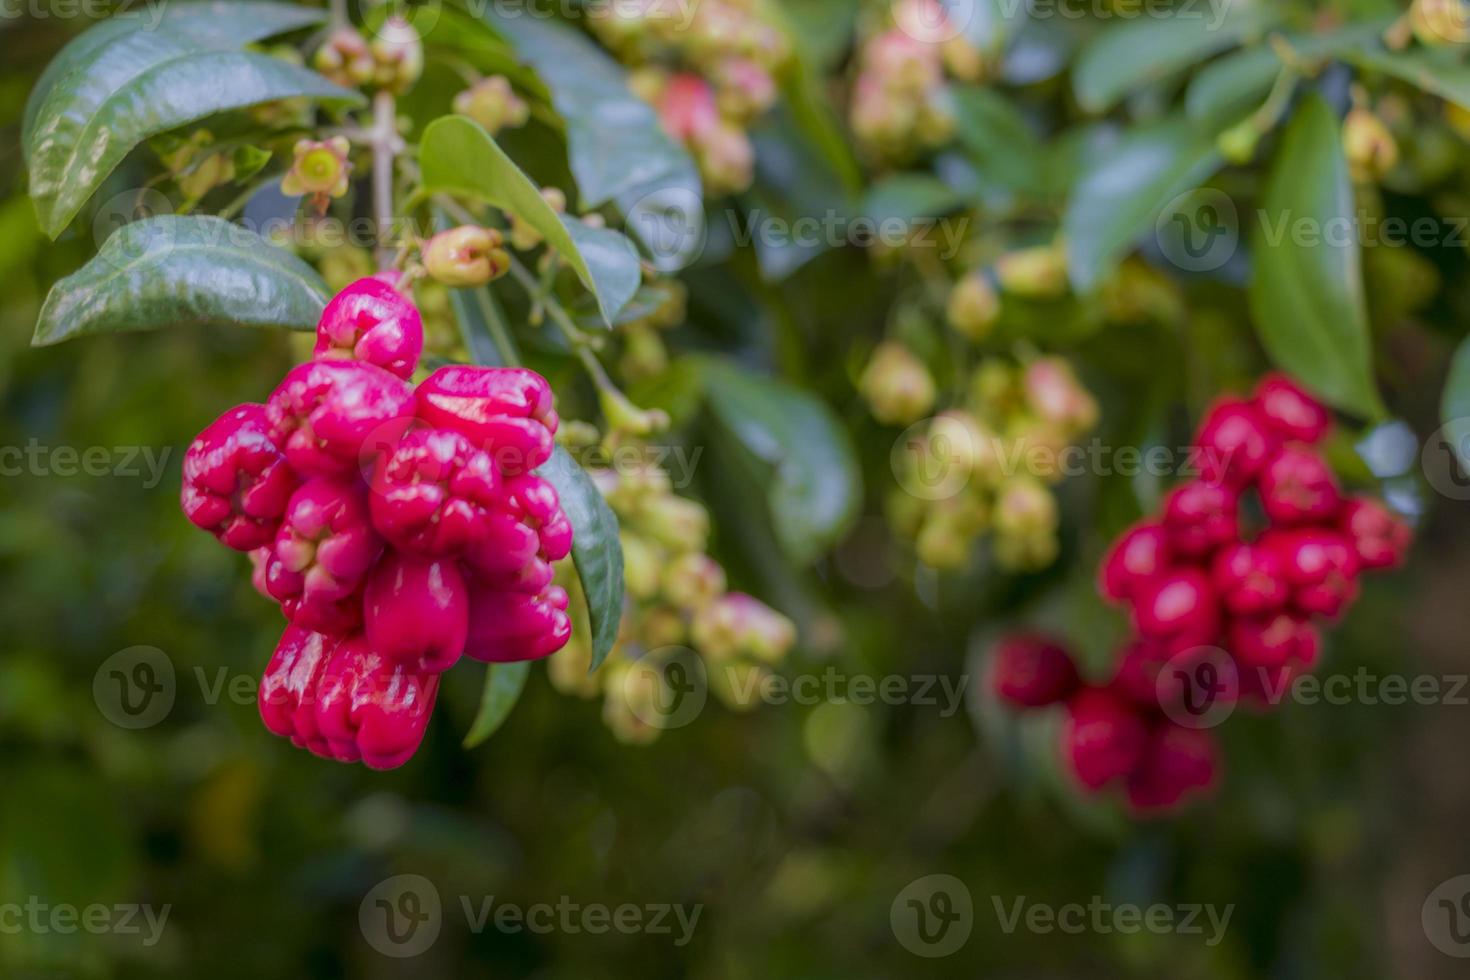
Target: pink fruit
x: 1272, y: 640
x: 507, y: 626
x: 1250, y: 579
x: 1140, y: 554
x: 1031, y: 670
x: 324, y: 550
x: 507, y: 412
x: 1200, y: 517
x: 1321, y: 568
x: 325, y: 412
x: 1235, y: 442
x: 372, y: 708
x: 236, y: 482
x: 288, y: 689
x: 1289, y: 410
x: 1178, y: 610
x: 416, y: 610
x: 434, y: 493
x: 371, y: 321
x: 1177, y: 762
x: 1297, y: 487
x: 1379, y: 537
x: 1102, y: 738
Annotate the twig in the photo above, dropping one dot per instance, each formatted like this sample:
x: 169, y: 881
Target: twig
x: 386, y: 143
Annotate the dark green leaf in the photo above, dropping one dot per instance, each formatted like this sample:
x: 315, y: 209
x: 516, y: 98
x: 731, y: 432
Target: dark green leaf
x: 459, y: 157
x: 503, y: 686
x: 1124, y: 58
x: 1439, y: 73
x: 815, y: 488
x: 1306, y: 290
x: 1003, y: 146
x: 183, y: 271
x: 129, y: 85
x: 596, y: 549
x: 615, y: 146
x: 1122, y: 194
x: 1454, y: 406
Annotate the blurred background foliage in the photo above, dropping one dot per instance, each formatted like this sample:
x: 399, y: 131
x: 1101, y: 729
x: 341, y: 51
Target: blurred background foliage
x: 795, y: 826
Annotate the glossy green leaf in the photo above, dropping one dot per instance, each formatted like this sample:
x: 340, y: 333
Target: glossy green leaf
x: 183, y: 271
x: 1439, y: 73
x: 616, y: 147
x: 1133, y: 54
x: 1454, y: 406
x: 503, y: 686
x: 134, y: 84
x: 814, y: 488
x: 459, y: 157
x: 596, y: 550
x: 1306, y: 290
x: 1120, y: 197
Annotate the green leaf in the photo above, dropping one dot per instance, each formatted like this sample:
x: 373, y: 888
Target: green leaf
x: 596, y: 550
x: 996, y: 136
x: 1121, y: 60
x: 134, y: 84
x: 616, y: 147
x: 1306, y: 290
x: 459, y: 157
x: 1121, y: 195
x: 1454, y: 405
x: 1436, y: 72
x: 907, y: 196
x: 1228, y: 88
x: 503, y: 686
x: 815, y: 489
x: 183, y: 271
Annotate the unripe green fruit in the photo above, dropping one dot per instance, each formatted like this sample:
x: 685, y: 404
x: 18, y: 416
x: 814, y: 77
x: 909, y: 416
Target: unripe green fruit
x: 973, y: 307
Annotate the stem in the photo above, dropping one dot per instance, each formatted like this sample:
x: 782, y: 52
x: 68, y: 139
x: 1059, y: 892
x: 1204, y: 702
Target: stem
x: 339, y: 16
x: 385, y: 144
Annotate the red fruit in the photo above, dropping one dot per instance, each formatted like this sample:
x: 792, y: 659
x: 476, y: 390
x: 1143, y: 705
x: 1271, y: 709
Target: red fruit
x: 1187, y: 685
x: 1102, y: 738
x: 1032, y: 670
x: 371, y: 321
x: 324, y: 550
x: 1200, y: 517
x: 288, y: 689
x: 1321, y: 568
x: 1177, y: 762
x: 1139, y: 554
x: 1379, y: 537
x: 416, y: 611
x: 324, y: 413
x: 236, y: 481
x: 1178, y: 610
x: 506, y: 626
x: 372, y: 708
x: 505, y: 411
x: 520, y: 543
x: 1297, y: 487
x: 434, y: 493
x: 1289, y: 410
x: 1273, y: 640
x: 1250, y: 579
x: 1235, y: 442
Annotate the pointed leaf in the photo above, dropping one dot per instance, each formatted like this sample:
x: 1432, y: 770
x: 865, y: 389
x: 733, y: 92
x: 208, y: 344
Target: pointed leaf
x: 503, y: 686
x: 183, y: 271
x: 133, y: 85
x: 1454, y: 406
x: 459, y: 157
x: 1122, y: 194
x: 1438, y: 73
x: 596, y: 550
x: 1306, y: 290
x: 815, y: 488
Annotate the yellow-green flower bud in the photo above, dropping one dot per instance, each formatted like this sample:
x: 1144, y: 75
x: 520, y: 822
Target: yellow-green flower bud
x: 973, y: 306
x: 466, y: 256
x: 897, y: 386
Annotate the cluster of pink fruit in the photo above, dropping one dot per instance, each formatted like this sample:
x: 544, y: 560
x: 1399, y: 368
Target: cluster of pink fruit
x: 398, y: 527
x: 1218, y: 616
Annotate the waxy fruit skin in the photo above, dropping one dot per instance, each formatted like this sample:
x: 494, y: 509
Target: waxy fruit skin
x: 372, y: 322
x: 236, y: 482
